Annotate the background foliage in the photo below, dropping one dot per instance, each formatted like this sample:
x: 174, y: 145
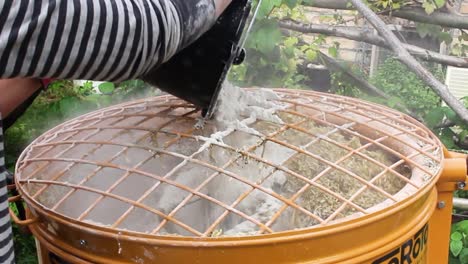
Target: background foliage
x: 459, y: 243
x: 277, y: 58
x: 396, y: 80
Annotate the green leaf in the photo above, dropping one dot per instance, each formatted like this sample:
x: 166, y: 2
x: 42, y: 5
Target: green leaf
x: 429, y: 7
x: 435, y: 117
x: 465, y: 101
x: 392, y: 102
x: 311, y: 54
x: 445, y: 37
x: 463, y: 257
x: 290, y: 42
x: 462, y: 226
x: 453, y: 260
x: 465, y: 240
x: 463, y: 135
x: 266, y: 37
x: 291, y: 3
x: 266, y: 8
x: 428, y: 30
x: 456, y: 247
x: 106, y: 88
x: 320, y: 39
x: 333, y: 51
x: 451, y: 115
x: 456, y: 236
x: 440, y: 3
x: 447, y: 137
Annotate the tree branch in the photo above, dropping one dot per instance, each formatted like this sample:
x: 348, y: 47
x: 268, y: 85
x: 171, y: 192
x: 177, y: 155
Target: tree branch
x: 413, y: 13
x: 358, y: 35
x: 437, y: 18
x: 329, y: 4
x: 405, y: 57
x: 445, y: 124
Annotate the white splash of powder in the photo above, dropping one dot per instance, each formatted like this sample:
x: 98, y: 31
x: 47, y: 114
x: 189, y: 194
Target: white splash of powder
x: 237, y: 106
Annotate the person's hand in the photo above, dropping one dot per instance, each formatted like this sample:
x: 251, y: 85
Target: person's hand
x: 16, y: 91
x: 17, y: 96
x: 221, y: 5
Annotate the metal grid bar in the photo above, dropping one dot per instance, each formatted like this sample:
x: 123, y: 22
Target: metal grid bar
x: 233, y: 149
x: 335, y: 166
x: 245, y: 194
x: 167, y: 181
x: 250, y: 156
x: 117, y: 197
x: 203, y: 184
x: 76, y: 122
x: 382, y: 146
x: 153, y: 188
x: 354, y: 103
x: 278, y: 167
x: 75, y: 142
x: 356, y: 107
x: 364, y: 124
x: 88, y: 177
x: 312, y: 119
x: 83, y: 143
x: 253, y: 156
x: 74, y: 132
x: 347, y: 156
x: 270, y: 139
x: 384, y: 119
x: 353, y: 152
x: 308, y: 185
x: 349, y: 201
x: 61, y: 173
x: 58, y: 155
x: 98, y: 116
x: 377, y: 177
x: 149, y: 191
x: 125, y: 176
x: 284, y: 128
x: 368, y: 158
x: 209, y: 179
x: 362, y: 105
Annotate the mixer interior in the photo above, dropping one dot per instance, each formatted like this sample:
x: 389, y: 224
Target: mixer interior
x: 147, y: 167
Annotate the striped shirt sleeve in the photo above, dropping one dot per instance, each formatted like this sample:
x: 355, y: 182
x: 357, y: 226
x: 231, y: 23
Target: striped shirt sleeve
x: 6, y: 235
x: 110, y: 40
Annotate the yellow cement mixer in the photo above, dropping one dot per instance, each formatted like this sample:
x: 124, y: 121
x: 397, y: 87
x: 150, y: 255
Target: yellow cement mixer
x: 330, y: 180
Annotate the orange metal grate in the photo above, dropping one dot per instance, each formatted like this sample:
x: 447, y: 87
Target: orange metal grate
x: 139, y: 166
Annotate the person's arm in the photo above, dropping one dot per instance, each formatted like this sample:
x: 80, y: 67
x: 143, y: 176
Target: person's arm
x: 109, y: 40
x: 14, y: 92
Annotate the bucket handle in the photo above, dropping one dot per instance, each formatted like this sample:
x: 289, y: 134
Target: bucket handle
x: 15, y: 218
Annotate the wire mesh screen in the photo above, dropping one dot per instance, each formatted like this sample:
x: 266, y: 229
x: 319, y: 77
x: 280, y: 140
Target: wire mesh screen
x: 146, y: 167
